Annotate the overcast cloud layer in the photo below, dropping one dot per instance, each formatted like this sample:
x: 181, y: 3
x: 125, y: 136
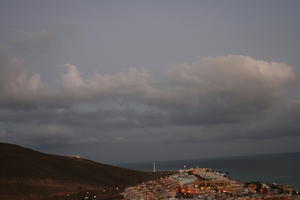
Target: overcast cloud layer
x: 123, y: 82
x: 214, y: 99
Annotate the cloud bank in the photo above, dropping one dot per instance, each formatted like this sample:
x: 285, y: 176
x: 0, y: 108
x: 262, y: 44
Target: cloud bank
x: 215, y: 99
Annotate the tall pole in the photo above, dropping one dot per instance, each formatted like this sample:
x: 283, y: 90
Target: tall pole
x: 154, y: 170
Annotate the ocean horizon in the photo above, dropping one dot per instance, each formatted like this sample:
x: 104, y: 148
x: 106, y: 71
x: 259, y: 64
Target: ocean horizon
x: 269, y: 168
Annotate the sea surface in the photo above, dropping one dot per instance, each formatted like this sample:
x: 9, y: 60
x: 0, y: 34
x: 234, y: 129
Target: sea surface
x: 279, y: 168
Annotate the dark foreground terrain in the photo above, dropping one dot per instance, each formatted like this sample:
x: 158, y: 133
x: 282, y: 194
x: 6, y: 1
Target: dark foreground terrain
x: 32, y: 175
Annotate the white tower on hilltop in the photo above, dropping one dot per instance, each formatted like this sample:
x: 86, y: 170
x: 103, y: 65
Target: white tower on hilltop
x: 154, y: 169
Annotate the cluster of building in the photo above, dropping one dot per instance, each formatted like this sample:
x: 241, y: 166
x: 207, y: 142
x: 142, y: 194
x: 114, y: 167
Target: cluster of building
x: 164, y: 188
x: 206, y: 184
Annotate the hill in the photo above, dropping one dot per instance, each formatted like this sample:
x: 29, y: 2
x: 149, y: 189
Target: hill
x: 28, y: 174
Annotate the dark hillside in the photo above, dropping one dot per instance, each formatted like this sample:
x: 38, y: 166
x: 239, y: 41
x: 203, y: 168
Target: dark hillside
x: 25, y: 172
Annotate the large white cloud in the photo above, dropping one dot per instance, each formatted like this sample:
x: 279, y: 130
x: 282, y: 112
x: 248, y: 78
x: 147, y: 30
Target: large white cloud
x: 228, y: 79
x: 216, y: 82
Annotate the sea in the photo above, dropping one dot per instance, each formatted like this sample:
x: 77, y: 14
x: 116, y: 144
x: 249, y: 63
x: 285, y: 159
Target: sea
x: 278, y: 168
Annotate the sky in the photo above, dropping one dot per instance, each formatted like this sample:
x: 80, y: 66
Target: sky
x: 129, y: 81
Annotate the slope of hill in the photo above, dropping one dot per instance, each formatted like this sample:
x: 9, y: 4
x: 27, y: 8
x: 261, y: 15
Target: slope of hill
x: 28, y: 174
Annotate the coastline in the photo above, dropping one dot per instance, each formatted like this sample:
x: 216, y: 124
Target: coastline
x: 280, y: 168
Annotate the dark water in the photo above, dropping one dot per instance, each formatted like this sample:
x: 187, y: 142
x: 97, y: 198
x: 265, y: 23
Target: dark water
x: 279, y: 168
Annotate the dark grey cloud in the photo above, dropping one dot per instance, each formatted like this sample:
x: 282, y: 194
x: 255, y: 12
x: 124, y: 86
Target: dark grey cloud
x: 85, y: 77
x: 212, y: 100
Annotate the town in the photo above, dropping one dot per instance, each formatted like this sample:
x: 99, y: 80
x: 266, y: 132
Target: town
x: 207, y: 184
